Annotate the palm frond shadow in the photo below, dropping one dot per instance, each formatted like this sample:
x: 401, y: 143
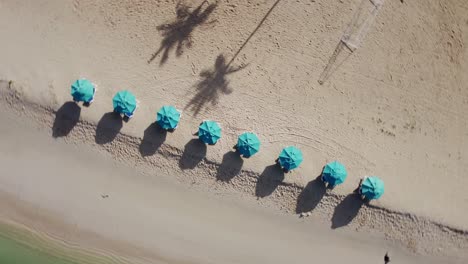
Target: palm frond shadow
x: 212, y: 83
x: 178, y: 34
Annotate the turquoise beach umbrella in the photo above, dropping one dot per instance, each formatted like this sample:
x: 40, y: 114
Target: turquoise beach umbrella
x: 248, y: 144
x: 124, y: 103
x: 82, y: 90
x: 209, y: 132
x: 290, y: 158
x: 168, y: 117
x: 334, y: 173
x: 372, y: 188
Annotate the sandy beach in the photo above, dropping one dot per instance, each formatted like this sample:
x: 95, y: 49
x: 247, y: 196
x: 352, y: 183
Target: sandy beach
x: 394, y: 108
x: 88, y: 200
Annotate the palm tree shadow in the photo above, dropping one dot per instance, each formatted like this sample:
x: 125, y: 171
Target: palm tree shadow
x: 108, y: 128
x: 153, y: 137
x: 178, y: 34
x: 212, y: 84
x: 311, y: 195
x: 66, y: 118
x: 230, y: 166
x: 346, y: 210
x: 194, y: 153
x: 268, y: 181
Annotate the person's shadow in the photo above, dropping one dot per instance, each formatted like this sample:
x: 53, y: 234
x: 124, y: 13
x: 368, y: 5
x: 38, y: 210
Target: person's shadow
x: 229, y: 167
x: 66, y: 118
x: 194, y: 153
x: 268, y: 181
x: 311, y: 195
x: 153, y: 137
x: 178, y: 34
x: 108, y: 128
x: 346, y: 210
x: 212, y: 83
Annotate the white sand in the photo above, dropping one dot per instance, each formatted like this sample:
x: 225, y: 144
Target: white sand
x: 396, y: 108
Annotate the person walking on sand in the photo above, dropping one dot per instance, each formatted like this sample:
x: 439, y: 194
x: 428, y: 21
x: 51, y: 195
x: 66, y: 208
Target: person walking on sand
x: 386, y: 258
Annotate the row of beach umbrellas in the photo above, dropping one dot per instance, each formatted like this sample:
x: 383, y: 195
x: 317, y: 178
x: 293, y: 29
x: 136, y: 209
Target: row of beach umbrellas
x: 209, y: 132
x: 334, y: 173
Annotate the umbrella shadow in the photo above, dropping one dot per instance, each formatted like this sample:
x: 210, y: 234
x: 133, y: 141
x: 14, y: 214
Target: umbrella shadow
x: 153, y: 137
x: 66, y: 118
x: 178, y: 34
x: 268, y: 181
x: 311, y: 195
x: 194, y: 153
x: 346, y: 210
x: 230, y: 166
x: 108, y: 128
x: 212, y: 83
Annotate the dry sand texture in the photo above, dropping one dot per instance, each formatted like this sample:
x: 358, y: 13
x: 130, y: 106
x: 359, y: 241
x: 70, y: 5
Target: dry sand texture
x: 395, y: 108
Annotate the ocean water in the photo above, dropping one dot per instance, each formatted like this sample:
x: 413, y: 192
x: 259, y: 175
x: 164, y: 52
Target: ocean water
x: 20, y: 246
x: 12, y: 252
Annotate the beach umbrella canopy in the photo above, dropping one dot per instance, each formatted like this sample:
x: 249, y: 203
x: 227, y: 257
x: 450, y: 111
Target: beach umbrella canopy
x: 209, y: 132
x: 290, y: 158
x: 248, y: 144
x: 168, y: 117
x: 372, y: 187
x: 82, y: 90
x: 124, y: 102
x: 334, y: 173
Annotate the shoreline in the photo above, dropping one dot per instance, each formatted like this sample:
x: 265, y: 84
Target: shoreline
x: 404, y: 228
x: 20, y: 243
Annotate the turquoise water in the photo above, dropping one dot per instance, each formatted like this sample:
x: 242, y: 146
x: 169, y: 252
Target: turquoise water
x: 13, y: 252
x: 20, y: 246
